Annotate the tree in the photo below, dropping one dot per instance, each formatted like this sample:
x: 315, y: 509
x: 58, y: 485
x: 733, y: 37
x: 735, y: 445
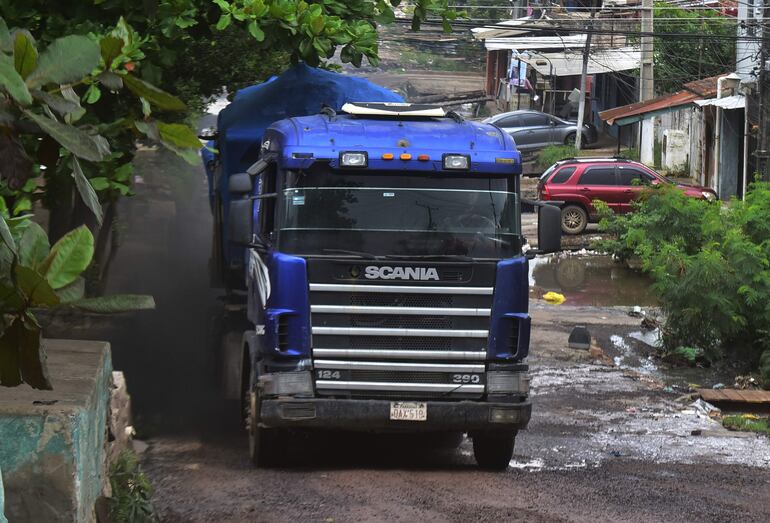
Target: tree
x: 265, y: 33
x: 702, y: 44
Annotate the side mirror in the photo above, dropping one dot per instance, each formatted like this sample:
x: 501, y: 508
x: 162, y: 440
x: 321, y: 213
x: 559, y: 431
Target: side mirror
x: 239, y: 222
x: 548, y: 229
x: 240, y: 183
x: 208, y: 134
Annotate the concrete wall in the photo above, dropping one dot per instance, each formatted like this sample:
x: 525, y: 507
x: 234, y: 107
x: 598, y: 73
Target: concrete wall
x: 53, y: 442
x: 2, y: 500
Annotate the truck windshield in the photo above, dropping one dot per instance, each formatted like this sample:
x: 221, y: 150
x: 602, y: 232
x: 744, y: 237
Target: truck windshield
x: 394, y: 214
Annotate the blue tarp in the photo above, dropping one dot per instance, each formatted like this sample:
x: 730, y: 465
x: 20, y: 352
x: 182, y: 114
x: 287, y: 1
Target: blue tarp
x: 299, y: 91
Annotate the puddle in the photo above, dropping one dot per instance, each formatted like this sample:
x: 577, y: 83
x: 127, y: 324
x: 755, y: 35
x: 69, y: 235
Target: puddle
x: 594, y: 280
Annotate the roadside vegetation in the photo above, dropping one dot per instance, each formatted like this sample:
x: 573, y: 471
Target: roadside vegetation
x: 747, y: 423
x: 131, y: 491
x: 551, y: 154
x: 710, y: 265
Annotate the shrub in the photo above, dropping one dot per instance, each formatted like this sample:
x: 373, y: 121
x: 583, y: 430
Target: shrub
x: 131, y: 491
x: 553, y: 153
x: 710, y: 265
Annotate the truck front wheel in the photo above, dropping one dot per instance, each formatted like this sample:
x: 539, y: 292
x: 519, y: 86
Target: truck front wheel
x: 266, y: 446
x: 493, y: 451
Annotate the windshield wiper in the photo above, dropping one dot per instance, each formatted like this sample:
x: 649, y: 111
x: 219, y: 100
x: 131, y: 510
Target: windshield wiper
x: 359, y: 254
x: 456, y: 257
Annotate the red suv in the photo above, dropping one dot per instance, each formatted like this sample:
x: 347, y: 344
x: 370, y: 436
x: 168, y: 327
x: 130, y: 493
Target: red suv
x: 579, y: 181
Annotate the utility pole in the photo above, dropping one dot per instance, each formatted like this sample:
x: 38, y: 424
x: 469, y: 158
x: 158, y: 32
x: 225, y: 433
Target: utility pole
x: 763, y: 139
x: 646, y: 83
x: 583, y: 75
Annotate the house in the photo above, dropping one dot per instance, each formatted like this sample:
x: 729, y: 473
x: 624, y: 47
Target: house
x: 536, y: 61
x: 700, y: 129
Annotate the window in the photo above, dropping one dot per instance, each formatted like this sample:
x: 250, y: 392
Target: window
x: 267, y: 202
x: 510, y: 121
x: 563, y: 175
x: 598, y: 176
x: 533, y: 120
x: 633, y: 176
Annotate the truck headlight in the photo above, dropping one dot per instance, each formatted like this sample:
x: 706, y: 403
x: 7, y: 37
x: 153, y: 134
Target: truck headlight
x: 287, y: 384
x: 504, y: 382
x: 354, y: 159
x: 456, y: 162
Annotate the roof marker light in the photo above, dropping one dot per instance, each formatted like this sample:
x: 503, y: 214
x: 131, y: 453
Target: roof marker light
x: 423, y: 157
x: 387, y: 156
x: 354, y: 159
x: 406, y: 156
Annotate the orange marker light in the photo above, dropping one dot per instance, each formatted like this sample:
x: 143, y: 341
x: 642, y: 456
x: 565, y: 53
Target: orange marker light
x: 387, y: 156
x: 406, y: 156
x: 423, y: 157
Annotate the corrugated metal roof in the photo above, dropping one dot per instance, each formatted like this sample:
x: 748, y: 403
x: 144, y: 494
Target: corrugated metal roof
x: 570, y: 63
x: 626, y: 114
x: 522, y: 43
x: 736, y: 101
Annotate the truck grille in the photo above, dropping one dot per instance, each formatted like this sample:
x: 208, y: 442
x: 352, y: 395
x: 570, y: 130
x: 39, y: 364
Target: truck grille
x: 400, y: 341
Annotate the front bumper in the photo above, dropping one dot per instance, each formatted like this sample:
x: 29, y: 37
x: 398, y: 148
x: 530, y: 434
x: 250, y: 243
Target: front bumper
x: 371, y: 415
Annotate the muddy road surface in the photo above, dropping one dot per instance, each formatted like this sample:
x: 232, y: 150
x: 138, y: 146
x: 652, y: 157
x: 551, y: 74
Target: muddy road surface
x: 607, y: 442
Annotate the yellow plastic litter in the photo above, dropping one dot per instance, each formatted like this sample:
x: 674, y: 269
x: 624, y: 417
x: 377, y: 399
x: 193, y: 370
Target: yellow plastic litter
x: 554, y: 298
x: 750, y: 416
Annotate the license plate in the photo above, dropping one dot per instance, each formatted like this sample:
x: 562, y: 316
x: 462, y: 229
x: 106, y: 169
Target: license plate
x: 408, y: 411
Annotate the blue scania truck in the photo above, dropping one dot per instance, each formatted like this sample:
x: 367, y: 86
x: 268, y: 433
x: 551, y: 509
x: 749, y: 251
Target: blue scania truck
x: 372, y: 257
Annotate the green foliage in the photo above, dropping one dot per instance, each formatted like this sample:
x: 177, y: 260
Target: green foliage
x: 685, y: 356
x: 34, y: 276
x: 764, y: 368
x: 131, y: 491
x: 682, y: 60
x: 45, y: 95
x: 710, y: 264
x: 747, y: 423
x: 553, y: 153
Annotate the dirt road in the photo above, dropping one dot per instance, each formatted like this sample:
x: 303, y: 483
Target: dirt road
x: 606, y: 442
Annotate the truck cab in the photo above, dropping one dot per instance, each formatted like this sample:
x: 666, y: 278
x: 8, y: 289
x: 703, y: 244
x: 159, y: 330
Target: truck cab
x: 385, y: 281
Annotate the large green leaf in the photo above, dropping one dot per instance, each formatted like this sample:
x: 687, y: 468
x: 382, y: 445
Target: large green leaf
x: 24, y: 53
x: 60, y: 104
x: 66, y: 60
x: 157, y: 97
x: 77, y: 141
x: 33, y: 245
x: 10, y: 299
x: 86, y: 191
x: 72, y: 292
x: 22, y: 358
x: 117, y: 303
x: 10, y: 364
x: 35, y: 287
x: 69, y: 257
x: 5, y: 36
x: 5, y: 233
x: 110, y: 47
x: 178, y: 134
x: 34, y: 370
x: 12, y: 82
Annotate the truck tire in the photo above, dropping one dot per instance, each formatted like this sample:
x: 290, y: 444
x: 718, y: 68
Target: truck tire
x: 267, y: 447
x: 493, y: 451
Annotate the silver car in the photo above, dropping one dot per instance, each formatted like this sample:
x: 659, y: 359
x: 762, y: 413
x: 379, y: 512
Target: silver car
x: 532, y: 130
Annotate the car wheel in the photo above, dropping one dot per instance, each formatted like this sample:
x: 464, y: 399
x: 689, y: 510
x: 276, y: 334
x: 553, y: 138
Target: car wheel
x: 573, y: 219
x: 570, y: 139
